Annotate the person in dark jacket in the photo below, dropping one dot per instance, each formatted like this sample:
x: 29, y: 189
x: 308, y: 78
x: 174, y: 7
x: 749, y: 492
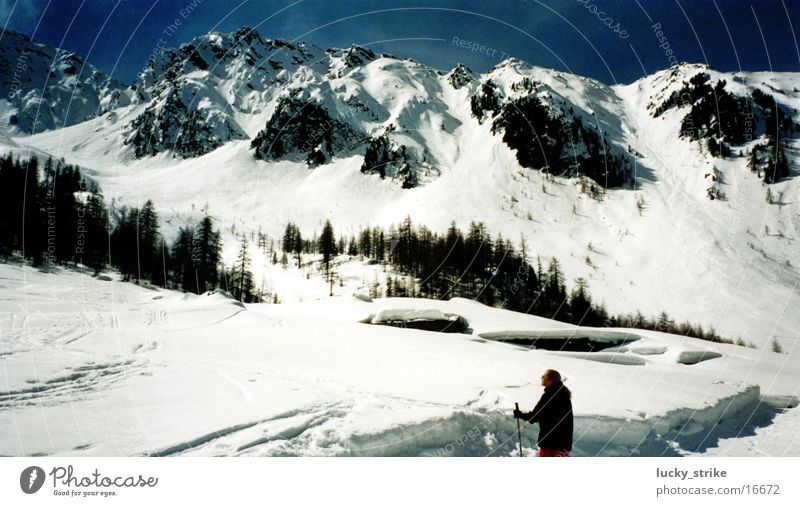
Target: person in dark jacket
x: 553, y: 413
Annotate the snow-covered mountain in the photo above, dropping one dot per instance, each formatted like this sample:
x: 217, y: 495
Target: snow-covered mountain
x: 655, y: 210
x: 44, y: 88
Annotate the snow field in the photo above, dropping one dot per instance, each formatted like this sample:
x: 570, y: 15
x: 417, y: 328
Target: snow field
x: 94, y: 367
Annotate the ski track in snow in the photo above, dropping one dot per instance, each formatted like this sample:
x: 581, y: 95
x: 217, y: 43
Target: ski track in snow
x: 74, y: 384
x: 158, y: 373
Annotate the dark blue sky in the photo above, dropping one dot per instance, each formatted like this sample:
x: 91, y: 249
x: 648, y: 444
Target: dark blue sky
x: 613, y: 41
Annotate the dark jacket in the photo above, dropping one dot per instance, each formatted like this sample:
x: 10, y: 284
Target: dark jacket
x: 553, y: 413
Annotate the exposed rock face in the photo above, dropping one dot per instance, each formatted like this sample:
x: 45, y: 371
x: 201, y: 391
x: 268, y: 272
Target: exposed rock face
x: 306, y: 131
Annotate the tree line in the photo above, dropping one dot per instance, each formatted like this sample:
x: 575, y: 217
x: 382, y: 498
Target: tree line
x: 56, y: 215
x: 61, y: 217
x: 53, y: 214
x: 478, y: 265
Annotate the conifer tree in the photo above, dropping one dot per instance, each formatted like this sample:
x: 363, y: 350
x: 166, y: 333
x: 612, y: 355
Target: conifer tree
x: 33, y: 229
x: 328, y: 248
x: 206, y: 253
x: 242, y: 284
x: 293, y: 241
x: 123, y: 253
x: 94, y: 250
x: 150, y: 245
x: 8, y: 182
x: 183, y: 260
x: 365, y: 242
x: 554, y: 292
x: 580, y: 303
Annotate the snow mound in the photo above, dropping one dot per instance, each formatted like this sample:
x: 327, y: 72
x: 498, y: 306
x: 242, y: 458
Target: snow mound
x: 691, y: 357
x: 362, y: 297
x: 433, y: 320
x: 578, y: 339
x: 407, y: 315
x: 610, y: 358
x: 649, y: 350
x: 219, y: 292
x: 781, y: 401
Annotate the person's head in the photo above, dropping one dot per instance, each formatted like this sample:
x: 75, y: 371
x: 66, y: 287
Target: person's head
x: 551, y: 378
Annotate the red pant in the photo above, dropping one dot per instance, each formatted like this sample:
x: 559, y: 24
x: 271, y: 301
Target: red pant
x: 552, y: 452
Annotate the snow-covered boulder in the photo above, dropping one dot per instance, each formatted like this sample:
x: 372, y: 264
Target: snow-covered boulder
x: 422, y: 319
x: 362, y: 296
x: 582, y: 340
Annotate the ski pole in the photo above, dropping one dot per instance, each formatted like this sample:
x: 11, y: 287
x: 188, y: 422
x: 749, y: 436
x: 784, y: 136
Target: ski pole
x: 519, y: 434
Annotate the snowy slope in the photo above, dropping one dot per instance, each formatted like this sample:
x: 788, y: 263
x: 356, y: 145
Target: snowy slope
x: 739, y: 252
x: 661, y: 246
x: 100, y: 367
x: 45, y: 88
